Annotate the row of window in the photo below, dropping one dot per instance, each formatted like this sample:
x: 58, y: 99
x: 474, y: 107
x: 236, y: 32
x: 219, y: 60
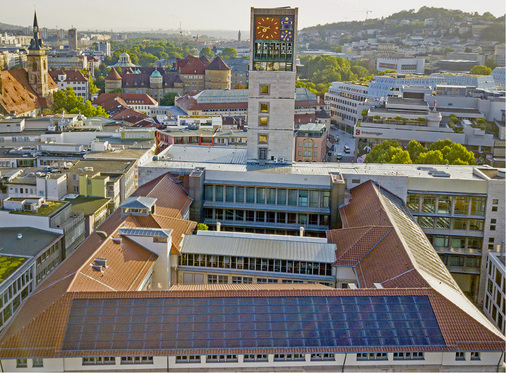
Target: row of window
x: 456, y: 242
x: 266, y: 216
x: 111, y: 360
x: 256, y: 264
x: 448, y: 205
x: 233, y: 358
x: 463, y: 224
x: 270, y: 196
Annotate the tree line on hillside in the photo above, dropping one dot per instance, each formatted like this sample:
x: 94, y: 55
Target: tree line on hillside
x: 444, y: 152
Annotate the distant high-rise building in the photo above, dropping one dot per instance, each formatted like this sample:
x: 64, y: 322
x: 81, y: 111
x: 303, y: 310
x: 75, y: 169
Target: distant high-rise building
x: 239, y: 36
x: 73, y: 39
x: 105, y: 46
x: 272, y: 78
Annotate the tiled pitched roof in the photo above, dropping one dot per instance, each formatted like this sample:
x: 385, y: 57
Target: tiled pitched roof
x: 206, y: 61
x: 126, y: 269
x: 127, y: 266
x: 403, y: 257
x: 70, y: 75
x: 129, y: 98
x: 190, y: 65
x: 113, y: 75
x: 18, y: 96
x: 218, y: 64
x: 45, y: 332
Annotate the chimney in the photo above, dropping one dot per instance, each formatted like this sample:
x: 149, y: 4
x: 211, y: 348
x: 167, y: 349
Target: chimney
x: 301, y: 231
x: 218, y: 227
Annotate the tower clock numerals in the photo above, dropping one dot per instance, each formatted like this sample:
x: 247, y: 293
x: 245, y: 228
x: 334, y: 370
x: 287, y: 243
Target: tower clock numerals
x: 267, y: 28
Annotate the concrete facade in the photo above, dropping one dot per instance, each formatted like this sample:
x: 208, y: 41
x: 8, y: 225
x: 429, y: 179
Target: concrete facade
x: 271, y: 103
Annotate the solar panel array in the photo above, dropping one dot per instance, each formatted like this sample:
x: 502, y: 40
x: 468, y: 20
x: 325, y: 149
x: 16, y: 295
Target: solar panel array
x: 272, y: 322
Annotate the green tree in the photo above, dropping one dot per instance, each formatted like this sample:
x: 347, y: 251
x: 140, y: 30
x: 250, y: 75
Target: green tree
x: 206, y: 51
x: 202, y: 227
x: 400, y: 156
x: 414, y: 149
x: 490, y: 63
x: 458, y: 154
x: 480, y: 70
x: 228, y: 53
x: 382, y: 153
x: 69, y: 102
x: 431, y: 157
x: 168, y: 99
x: 116, y: 90
x: 440, y: 144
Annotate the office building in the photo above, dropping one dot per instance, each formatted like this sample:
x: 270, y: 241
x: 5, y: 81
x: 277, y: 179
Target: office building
x: 401, y: 65
x: 72, y: 35
x: 406, y: 313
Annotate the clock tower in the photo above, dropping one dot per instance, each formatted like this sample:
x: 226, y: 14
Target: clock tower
x: 272, y: 76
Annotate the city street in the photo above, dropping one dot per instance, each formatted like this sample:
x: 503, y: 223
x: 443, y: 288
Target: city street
x: 345, y: 139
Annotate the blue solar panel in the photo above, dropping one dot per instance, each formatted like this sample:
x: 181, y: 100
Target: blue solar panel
x: 275, y: 322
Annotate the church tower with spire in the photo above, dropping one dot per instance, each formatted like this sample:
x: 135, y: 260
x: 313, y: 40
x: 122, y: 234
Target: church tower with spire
x: 37, y: 63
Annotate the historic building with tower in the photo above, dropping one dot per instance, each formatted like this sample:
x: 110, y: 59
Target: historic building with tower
x: 28, y: 91
x: 191, y: 74
x: 272, y: 77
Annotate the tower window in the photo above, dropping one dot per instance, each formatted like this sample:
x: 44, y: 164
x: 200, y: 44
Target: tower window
x: 264, y: 89
x: 262, y: 139
x: 263, y: 121
x: 264, y: 107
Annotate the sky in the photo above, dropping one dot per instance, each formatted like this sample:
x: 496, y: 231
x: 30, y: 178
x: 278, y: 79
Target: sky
x: 211, y: 14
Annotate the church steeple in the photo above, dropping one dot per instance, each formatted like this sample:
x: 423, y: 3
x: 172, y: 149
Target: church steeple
x: 38, y: 76
x: 36, y: 42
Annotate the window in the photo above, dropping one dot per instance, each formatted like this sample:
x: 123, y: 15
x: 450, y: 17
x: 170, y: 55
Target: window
x: 263, y: 121
x: 38, y: 363
x: 255, y: 357
x: 212, y: 279
x: 262, y: 139
x: 99, y: 360
x: 317, y: 357
x: 475, y: 355
x: 187, y: 359
x: 221, y: 359
x: 137, y: 360
x: 460, y: 355
x: 264, y: 89
x: 361, y: 356
x: 21, y: 363
x: 262, y: 154
x: 239, y: 194
x: 408, y: 356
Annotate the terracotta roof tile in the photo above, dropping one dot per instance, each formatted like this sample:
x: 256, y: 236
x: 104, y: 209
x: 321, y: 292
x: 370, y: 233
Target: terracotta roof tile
x: 70, y: 75
x: 113, y: 75
x: 218, y: 64
x: 127, y: 265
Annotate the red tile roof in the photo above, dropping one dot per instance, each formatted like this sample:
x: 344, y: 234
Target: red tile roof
x: 190, y: 65
x: 70, y: 75
x: 113, y: 75
x: 45, y: 332
x: 129, y: 98
x: 218, y: 64
x: 18, y: 96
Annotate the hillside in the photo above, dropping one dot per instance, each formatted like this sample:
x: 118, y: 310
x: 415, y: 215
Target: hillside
x: 425, y: 17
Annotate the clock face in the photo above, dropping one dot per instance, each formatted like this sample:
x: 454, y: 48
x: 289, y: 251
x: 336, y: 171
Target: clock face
x: 286, y: 23
x: 267, y: 28
x: 286, y: 35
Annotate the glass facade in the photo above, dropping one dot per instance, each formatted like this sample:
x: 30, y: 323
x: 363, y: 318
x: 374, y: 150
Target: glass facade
x: 256, y: 264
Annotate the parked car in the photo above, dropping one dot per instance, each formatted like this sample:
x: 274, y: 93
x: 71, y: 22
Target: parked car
x: 347, y: 149
x: 339, y: 156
